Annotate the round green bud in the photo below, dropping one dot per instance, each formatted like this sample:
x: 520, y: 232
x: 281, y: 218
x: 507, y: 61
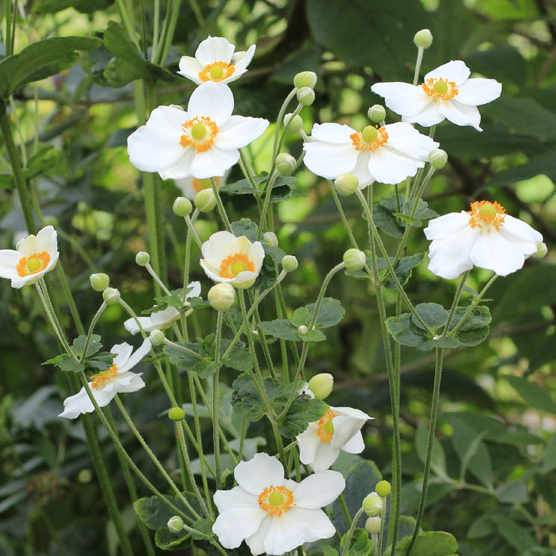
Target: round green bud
x: 85, y: 476
x: 157, y: 337
x: 373, y: 525
x: 423, y: 38
x: 175, y: 524
x: 205, y: 200
x: 302, y: 330
x: 377, y: 113
x: 221, y: 297
x: 321, y: 385
x: 290, y: 263
x: 270, y: 239
x: 142, y: 258
x: 346, y: 184
x: 305, y: 96
x: 383, y: 488
x: 294, y: 122
x: 354, y: 259
x: 373, y: 504
x: 542, y: 250
x: 285, y: 164
x: 99, y: 281
x: 305, y: 79
x: 111, y: 295
x: 176, y: 413
x: 438, y: 159
x: 182, y: 207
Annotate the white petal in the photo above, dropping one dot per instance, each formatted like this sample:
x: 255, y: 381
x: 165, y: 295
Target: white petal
x: 316, y: 524
x: 256, y: 541
x: 218, y: 246
x: 308, y: 443
x: 128, y: 383
x: 479, y: 91
x: 516, y: 229
x: 284, y: 534
x: 402, y: 98
x: 47, y: 240
x: 451, y: 257
x: 213, y: 163
x: 446, y: 225
x: 136, y: 357
x: 406, y: 140
x: 241, y: 59
x: 213, y: 100
x: 332, y: 133
x: 319, y: 490
x: 239, y: 131
x: 256, y: 254
x: 193, y: 290
x: 461, y: 114
x: 258, y: 473
x: 329, y: 160
x: 76, y: 405
x: 8, y: 261
x: 361, y: 170
x: 234, y: 498
x: 132, y: 327
x: 237, y: 524
x: 181, y: 168
x: 190, y: 68
x: 325, y: 456
x: 388, y: 166
x: 455, y: 70
x: 355, y: 445
x: 430, y: 116
x: 494, y: 252
x: 122, y: 352
x: 351, y: 412
x: 214, y: 49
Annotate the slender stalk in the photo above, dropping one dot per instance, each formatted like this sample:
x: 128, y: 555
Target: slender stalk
x: 420, y: 52
x: 216, y: 400
x: 220, y: 205
x: 346, y: 541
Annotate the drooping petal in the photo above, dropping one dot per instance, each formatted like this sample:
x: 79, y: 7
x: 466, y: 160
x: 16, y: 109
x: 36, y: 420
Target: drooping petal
x: 122, y: 353
x: 329, y: 160
x: 239, y: 131
x: 325, y: 456
x: 361, y: 170
x: 461, y: 114
x: 388, y: 166
x: 193, y: 290
x: 241, y: 59
x: 477, y: 91
x: 133, y: 327
x: 190, y: 68
x: 214, y: 49
x: 493, y: 252
x: 355, y: 445
x: 402, y: 98
x: 316, y: 524
x: 258, y: 473
x: 8, y: 262
x: 429, y: 116
x: 406, y: 140
x: 128, y: 383
x: 451, y: 257
x: 332, y: 133
x: 182, y: 167
x: 212, y: 99
x: 236, y: 524
x: 141, y: 352
x: 319, y: 490
x: 76, y: 405
x: 455, y: 70
x: 214, y: 162
x: 446, y: 225
x: 308, y: 443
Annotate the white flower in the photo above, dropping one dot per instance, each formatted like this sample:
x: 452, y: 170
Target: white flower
x: 105, y: 385
x: 191, y: 186
x: 274, y: 515
x: 447, y: 92
x: 389, y: 154
x: 236, y: 260
x: 485, y: 236
x: 339, y: 429
x: 202, y: 142
x: 32, y: 258
x: 215, y: 60
x: 159, y: 320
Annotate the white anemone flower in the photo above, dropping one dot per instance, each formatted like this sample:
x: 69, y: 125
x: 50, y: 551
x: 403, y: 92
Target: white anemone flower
x: 232, y: 259
x: 202, y: 142
x: 274, y: 515
x: 115, y: 380
x: 33, y: 257
x: 216, y: 60
x: 160, y: 320
x: 446, y: 93
x: 339, y: 429
x: 191, y: 186
x: 485, y: 236
x: 388, y: 154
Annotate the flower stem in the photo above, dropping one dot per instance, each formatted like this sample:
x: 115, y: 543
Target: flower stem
x: 220, y: 205
x: 346, y: 541
x: 216, y: 399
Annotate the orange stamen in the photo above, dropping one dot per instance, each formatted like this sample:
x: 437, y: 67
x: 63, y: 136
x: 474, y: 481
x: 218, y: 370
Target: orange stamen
x: 100, y: 380
x: 217, y: 71
x: 361, y: 145
x: 32, y: 264
x: 276, y: 500
x: 325, y: 427
x: 486, y: 215
x: 206, y: 142
x: 440, y: 88
x: 231, y: 266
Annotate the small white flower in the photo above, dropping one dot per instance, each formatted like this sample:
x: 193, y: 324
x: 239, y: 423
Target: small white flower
x: 160, y: 320
x: 105, y: 385
x: 191, y: 186
x: 32, y: 258
x: 232, y: 259
x: 389, y: 154
x: 485, y: 236
x: 216, y: 60
x: 339, y: 429
x: 202, y: 142
x: 447, y: 92
x: 274, y: 515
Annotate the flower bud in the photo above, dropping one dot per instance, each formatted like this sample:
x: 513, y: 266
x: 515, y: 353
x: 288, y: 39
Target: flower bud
x: 321, y: 385
x: 294, y: 122
x: 176, y: 413
x: 354, y: 259
x: 285, y: 164
x: 302, y: 330
x: 175, y: 524
x: 377, y: 113
x: 142, y: 258
x: 423, y: 38
x: 373, y: 525
x: 383, y: 488
x: 182, y: 207
x: 305, y: 96
x: 346, y: 184
x: 111, y: 295
x: 305, y: 79
x: 157, y: 337
x: 221, y: 297
x: 542, y: 250
x: 99, y: 281
x: 290, y: 263
x: 205, y: 200
x: 438, y: 159
x: 85, y: 476
x: 373, y: 504
x: 270, y: 239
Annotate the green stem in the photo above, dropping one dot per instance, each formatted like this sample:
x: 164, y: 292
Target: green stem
x: 215, y: 399
x: 346, y: 541
x: 220, y: 205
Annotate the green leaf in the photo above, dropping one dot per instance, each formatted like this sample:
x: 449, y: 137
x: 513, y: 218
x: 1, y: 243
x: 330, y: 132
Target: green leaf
x: 331, y: 312
x: 239, y: 358
x: 361, y: 544
x: 245, y: 227
x: 438, y: 459
x: 517, y: 536
x: 153, y: 512
x: 534, y: 395
x: 302, y: 412
x: 281, y: 189
x: 513, y: 492
x: 432, y: 314
x: 45, y: 159
x: 281, y: 328
x: 430, y: 543
x: 167, y: 540
x: 392, y: 219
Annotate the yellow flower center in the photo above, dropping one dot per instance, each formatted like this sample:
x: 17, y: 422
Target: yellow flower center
x: 233, y: 265
x: 100, y: 380
x: 217, y: 71
x: 199, y: 133
x: 276, y: 500
x: 204, y: 183
x: 32, y: 264
x: 486, y: 215
x: 325, y: 427
x: 370, y: 139
x: 440, y: 88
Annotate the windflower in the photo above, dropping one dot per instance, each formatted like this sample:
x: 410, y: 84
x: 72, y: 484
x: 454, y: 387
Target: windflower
x: 232, y: 259
x: 202, y: 142
x: 216, y: 60
x: 105, y: 385
x: 447, y: 92
x: 485, y: 236
x: 191, y: 186
x: 274, y: 515
x: 159, y: 320
x: 33, y: 257
x: 388, y: 154
x: 339, y: 429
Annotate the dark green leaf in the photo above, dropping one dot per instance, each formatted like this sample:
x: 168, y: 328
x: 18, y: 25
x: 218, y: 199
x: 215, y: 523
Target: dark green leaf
x: 331, y: 312
x: 302, y: 412
x: 534, y: 395
x: 245, y: 227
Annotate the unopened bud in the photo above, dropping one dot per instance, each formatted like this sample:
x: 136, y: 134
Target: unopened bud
x: 85, y: 476
x: 294, y: 122
x: 99, y: 281
x: 542, y: 250
x: 270, y: 239
x: 142, y: 258
x: 377, y: 113
x: 321, y: 385
x: 285, y: 164
x: 373, y: 525
x: 438, y: 159
x: 354, y: 259
x: 157, y: 337
x: 176, y: 413
x: 111, y: 295
x: 175, y: 524
x: 373, y: 504
x: 383, y: 488
x: 290, y: 263
x: 302, y: 330
x: 205, y: 200
x: 182, y: 207
x: 305, y: 96
x: 221, y: 297
x: 305, y: 79
x: 423, y: 38
x: 346, y: 184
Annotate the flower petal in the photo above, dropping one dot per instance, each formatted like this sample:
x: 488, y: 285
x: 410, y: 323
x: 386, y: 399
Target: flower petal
x: 239, y: 131
x: 455, y: 70
x: 214, y: 162
x: 235, y: 525
x: 219, y: 245
x: 132, y: 327
x: 319, y: 490
x: 213, y: 100
x: 241, y: 59
x: 316, y: 524
x: 308, y: 443
x: 446, y: 225
x: 214, y: 49
x: 429, y: 116
x: 136, y: 357
x: 329, y: 160
x: 461, y: 114
x: 361, y: 170
x: 47, y: 240
x: 325, y: 456
x: 256, y: 541
x: 451, y: 256
x: 332, y: 133
x: 193, y: 290
x: 355, y: 445
x: 477, y: 91
x: 258, y: 473
x: 284, y: 534
x: 190, y: 68
x: 234, y: 498
x: 128, y: 383
x: 494, y: 252
x: 517, y: 230
x: 182, y: 167
x: 8, y: 261
x: 402, y: 98
x: 388, y: 166
x: 406, y: 140
x: 122, y: 352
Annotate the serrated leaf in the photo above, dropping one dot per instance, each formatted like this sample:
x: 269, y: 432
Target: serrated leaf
x: 429, y: 543
x: 301, y: 412
x: 331, y: 312
x: 432, y: 314
x: 281, y: 328
x: 245, y: 227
